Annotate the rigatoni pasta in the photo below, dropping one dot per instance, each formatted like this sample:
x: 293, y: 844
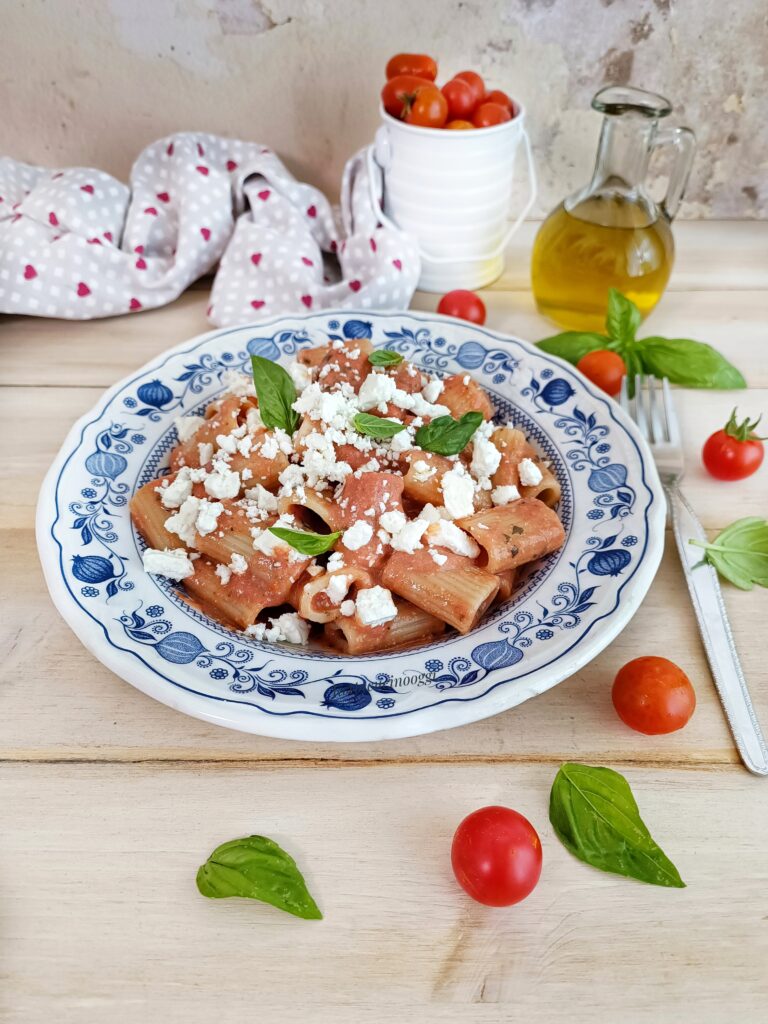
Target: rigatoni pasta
x: 352, y: 497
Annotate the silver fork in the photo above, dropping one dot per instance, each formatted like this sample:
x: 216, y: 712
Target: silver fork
x: 654, y: 412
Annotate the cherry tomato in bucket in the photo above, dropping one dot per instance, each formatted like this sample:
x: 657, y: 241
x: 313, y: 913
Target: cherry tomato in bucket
x: 464, y: 305
x: 475, y: 82
x: 399, y: 93
x: 496, y: 856
x: 735, y: 452
x: 428, y: 108
x: 459, y: 126
x: 497, y: 96
x: 460, y: 97
x: 489, y: 114
x: 418, y: 64
x: 653, y: 696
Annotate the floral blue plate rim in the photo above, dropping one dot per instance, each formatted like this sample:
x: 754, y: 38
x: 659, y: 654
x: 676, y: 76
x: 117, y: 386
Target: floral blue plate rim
x: 613, y: 508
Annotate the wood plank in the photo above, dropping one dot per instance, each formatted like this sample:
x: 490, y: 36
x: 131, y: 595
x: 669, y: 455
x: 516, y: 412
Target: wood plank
x: 57, y: 701
x: 102, y: 919
x: 35, y: 422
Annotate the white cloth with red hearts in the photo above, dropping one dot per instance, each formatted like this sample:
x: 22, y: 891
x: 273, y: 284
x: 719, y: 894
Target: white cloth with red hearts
x: 79, y: 244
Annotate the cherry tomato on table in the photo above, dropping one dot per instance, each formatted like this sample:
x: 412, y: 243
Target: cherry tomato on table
x: 735, y: 452
x: 489, y: 114
x: 464, y: 305
x: 654, y: 696
x: 497, y: 96
x: 475, y: 82
x: 418, y: 64
x: 604, y: 368
x: 398, y: 94
x: 428, y: 109
x: 460, y: 97
x: 496, y: 856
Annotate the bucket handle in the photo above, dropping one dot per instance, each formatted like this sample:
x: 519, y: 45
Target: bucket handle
x: 373, y: 166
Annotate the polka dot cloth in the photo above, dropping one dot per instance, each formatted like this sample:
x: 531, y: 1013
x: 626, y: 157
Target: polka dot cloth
x: 79, y: 244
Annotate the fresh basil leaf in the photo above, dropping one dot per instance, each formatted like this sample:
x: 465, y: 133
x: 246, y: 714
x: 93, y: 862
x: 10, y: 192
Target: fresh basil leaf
x: 256, y: 868
x: 376, y: 426
x: 595, y: 816
x: 276, y: 394
x: 622, y: 317
x: 692, y: 364
x: 573, y: 345
x: 304, y: 542
x: 385, y: 357
x: 740, y: 552
x: 447, y: 436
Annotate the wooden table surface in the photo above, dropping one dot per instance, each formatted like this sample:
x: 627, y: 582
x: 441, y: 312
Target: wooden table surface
x: 110, y: 801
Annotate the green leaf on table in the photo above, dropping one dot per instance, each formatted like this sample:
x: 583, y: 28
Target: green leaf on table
x: 691, y: 364
x: 447, y: 436
x: 622, y: 317
x: 256, y: 868
x: 276, y: 393
x: 304, y: 542
x: 595, y: 816
x: 573, y: 345
x: 740, y: 552
x: 376, y: 426
x: 385, y: 357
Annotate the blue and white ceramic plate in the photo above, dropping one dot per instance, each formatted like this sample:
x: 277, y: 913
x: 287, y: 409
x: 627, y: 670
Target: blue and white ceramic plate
x: 567, y: 610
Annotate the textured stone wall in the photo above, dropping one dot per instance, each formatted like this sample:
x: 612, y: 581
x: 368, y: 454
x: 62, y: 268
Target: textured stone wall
x: 92, y: 81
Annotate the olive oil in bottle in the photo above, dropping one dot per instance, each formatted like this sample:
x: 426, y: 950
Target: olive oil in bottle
x: 612, y: 234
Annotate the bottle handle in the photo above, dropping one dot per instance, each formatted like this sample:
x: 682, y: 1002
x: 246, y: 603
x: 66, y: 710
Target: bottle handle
x: 683, y: 141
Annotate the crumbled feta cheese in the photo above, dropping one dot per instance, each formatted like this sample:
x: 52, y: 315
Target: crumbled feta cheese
x: 333, y: 407
x: 227, y: 442
x: 408, y: 539
x: 269, y: 447
x: 173, y: 563
x: 301, y: 375
x: 347, y: 608
x: 465, y: 379
x: 224, y: 573
x: 207, y: 515
x: 265, y: 500
x: 458, y: 492
x: 432, y: 514
x: 244, y: 446
x: 357, y: 535
x: 335, y: 561
x: 376, y: 391
x: 337, y: 588
x: 448, y: 535
x: 289, y: 627
x: 313, y: 569
x: 253, y: 420
x: 437, y: 557
x: 176, y: 493
x: 529, y: 472
x: 183, y: 523
x: 237, y: 564
x: 205, y: 452
x: 188, y: 426
x: 236, y: 383
x: 402, y: 440
x: 222, y: 482
x: 485, y: 459
x: 393, y: 521
x: 504, y: 494
x: 422, y: 471
x: 432, y: 390
x: 374, y: 606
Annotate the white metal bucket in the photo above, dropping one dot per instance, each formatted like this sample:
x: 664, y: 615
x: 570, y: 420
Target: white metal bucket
x: 451, y: 191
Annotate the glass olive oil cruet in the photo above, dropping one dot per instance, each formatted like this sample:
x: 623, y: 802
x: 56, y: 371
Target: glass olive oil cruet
x: 612, y: 233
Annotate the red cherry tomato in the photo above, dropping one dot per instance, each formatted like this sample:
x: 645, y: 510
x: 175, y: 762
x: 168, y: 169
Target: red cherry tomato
x: 461, y: 98
x: 458, y: 126
x: 418, y: 64
x: 496, y: 856
x: 604, y: 368
x: 399, y: 93
x: 654, y: 696
x: 489, y: 114
x: 497, y: 96
x: 475, y: 82
x: 735, y: 452
x: 464, y: 305
x: 429, y: 108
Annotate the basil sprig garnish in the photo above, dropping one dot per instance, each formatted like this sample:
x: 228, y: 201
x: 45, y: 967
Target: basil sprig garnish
x: 276, y: 394
x: 304, y: 542
x: 595, y: 816
x: 740, y: 552
x: 385, y: 357
x: 692, y: 364
x: 447, y: 436
x: 256, y: 868
x: 376, y: 426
